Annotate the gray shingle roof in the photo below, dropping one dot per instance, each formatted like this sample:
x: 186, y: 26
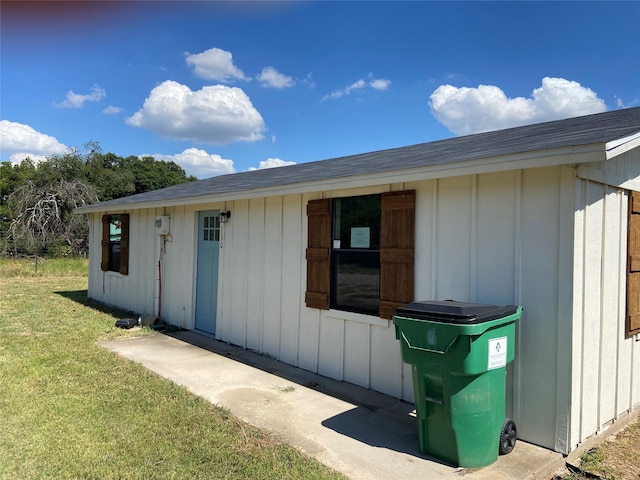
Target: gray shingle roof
x: 591, y: 129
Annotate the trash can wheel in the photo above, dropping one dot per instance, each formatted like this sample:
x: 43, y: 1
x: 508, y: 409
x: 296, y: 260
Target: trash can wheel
x: 508, y: 436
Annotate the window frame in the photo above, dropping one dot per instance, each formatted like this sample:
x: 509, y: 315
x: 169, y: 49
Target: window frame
x: 107, y: 261
x: 397, y: 240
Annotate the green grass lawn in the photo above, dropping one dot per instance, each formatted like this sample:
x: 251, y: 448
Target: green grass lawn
x: 71, y: 409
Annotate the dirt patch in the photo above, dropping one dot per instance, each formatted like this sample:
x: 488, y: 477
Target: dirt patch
x: 616, y: 459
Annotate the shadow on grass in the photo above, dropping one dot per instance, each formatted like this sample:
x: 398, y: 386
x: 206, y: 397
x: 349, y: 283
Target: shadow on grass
x: 80, y: 297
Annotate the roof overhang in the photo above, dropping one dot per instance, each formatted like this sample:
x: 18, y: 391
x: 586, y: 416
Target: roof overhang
x: 569, y: 155
x: 622, y: 145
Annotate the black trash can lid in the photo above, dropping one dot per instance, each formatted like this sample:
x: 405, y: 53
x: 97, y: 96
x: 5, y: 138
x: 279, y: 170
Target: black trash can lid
x: 450, y: 311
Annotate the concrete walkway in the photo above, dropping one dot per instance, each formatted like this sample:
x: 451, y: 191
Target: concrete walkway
x: 361, y: 433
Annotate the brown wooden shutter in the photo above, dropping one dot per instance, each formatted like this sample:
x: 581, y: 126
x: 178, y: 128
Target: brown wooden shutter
x: 124, y: 244
x: 318, y: 253
x: 397, y: 241
x: 104, y: 244
x: 633, y: 266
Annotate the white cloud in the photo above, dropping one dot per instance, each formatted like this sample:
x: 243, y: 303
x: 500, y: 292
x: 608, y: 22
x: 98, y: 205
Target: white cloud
x: 215, y: 64
x: 272, y: 163
x: 216, y: 114
x: 345, y: 91
x: 77, y: 100
x: 485, y: 108
x: 199, y: 163
x: 111, y: 110
x: 376, y: 84
x: 18, y: 157
x: 270, y: 77
x: 380, y: 84
x: 20, y: 141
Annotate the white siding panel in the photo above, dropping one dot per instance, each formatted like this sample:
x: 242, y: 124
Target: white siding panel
x: 495, y: 246
x: 565, y: 308
x: 238, y: 267
x: 331, y: 347
x: 625, y: 354
x: 94, y: 282
x: 356, y: 353
x: 635, y: 373
x: 425, y: 239
x: 592, y: 306
x: 537, y: 350
x: 453, y: 239
x: 308, y: 339
x: 578, y: 315
x: 176, y: 258
x: 290, y: 291
x: 272, y: 276
x: 386, y: 363
x: 256, y: 259
x: 225, y: 286
x: 609, y: 322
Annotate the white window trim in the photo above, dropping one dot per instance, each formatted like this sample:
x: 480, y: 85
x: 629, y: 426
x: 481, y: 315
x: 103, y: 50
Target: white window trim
x: 356, y: 317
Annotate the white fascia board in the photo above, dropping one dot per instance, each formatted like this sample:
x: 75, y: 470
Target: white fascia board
x: 570, y: 155
x: 622, y: 145
x: 587, y: 173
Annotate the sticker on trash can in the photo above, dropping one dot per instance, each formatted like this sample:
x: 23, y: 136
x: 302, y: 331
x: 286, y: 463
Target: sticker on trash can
x: 497, y: 353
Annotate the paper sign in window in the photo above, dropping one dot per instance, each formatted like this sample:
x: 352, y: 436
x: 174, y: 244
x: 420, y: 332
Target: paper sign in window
x: 360, y: 237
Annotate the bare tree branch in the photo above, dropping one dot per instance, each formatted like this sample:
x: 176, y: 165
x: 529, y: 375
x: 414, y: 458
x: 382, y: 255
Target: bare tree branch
x: 43, y: 217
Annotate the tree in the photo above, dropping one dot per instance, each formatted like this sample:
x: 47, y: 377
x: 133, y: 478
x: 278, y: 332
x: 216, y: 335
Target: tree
x: 108, y: 176
x: 45, y: 216
x: 151, y: 174
x: 37, y: 200
x: 11, y: 178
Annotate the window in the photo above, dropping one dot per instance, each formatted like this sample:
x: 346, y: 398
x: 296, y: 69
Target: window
x: 355, y: 254
x: 633, y: 266
x: 211, y: 229
x: 360, y: 253
x: 115, y: 243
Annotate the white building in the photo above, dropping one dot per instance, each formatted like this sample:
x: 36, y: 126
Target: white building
x: 307, y: 263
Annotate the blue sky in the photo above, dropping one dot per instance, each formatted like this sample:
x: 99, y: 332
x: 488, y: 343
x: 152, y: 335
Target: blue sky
x: 227, y: 87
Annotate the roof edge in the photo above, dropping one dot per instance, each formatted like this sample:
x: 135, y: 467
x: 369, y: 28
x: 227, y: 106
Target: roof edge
x: 567, y: 155
x: 622, y: 145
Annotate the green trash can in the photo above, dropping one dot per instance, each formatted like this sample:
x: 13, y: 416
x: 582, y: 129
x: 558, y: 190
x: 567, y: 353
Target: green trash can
x: 459, y: 352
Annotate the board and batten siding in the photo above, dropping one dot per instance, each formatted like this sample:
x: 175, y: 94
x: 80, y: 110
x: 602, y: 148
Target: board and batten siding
x: 489, y: 238
x: 137, y: 290
x: 496, y: 238
x: 140, y: 290
x: 540, y: 238
x: 605, y: 364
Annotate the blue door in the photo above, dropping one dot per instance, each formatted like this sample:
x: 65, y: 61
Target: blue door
x: 207, y: 270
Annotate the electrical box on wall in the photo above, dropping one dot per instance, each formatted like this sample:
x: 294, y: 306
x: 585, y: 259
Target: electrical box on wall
x: 162, y: 225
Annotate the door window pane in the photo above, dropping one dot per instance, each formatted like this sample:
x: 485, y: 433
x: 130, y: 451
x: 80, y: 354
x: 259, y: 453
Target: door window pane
x: 211, y: 229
